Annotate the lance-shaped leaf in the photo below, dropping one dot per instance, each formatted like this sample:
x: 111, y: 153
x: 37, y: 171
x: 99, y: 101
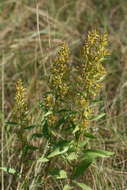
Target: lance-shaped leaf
x: 61, y: 148
x: 93, y: 154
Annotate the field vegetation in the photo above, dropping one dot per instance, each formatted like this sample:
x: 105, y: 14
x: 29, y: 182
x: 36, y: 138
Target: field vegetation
x: 63, y: 94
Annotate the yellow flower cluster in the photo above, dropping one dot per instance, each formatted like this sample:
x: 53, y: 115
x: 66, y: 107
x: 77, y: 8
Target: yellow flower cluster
x: 77, y: 94
x: 91, y: 71
x: 93, y: 53
x: 95, y: 47
x: 20, y: 114
x: 52, y: 119
x: 49, y: 101
x: 20, y: 102
x: 59, y: 71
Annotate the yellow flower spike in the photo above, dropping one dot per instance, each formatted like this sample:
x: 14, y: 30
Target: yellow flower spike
x: 95, y: 46
x: 20, y: 114
x: 93, y: 53
x: 60, y: 71
x: 20, y: 109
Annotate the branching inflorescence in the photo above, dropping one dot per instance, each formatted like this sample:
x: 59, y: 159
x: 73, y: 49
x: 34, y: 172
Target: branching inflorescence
x: 76, y: 93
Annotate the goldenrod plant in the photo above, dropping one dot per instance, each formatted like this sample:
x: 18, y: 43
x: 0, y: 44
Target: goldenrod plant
x: 66, y: 114
x: 67, y: 107
x: 20, y: 117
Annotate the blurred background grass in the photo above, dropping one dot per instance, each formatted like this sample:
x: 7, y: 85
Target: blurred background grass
x: 30, y: 33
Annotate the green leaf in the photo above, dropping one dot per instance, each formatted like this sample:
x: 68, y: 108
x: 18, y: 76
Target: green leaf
x: 67, y: 187
x: 56, y: 134
x: 97, y: 101
x: 89, y: 135
x: 30, y: 127
x: 57, y: 152
x: 8, y: 170
x: 98, y: 117
x: 93, y: 154
x: 12, y: 123
x: 61, y: 148
x: 59, y: 174
x: 81, y: 167
x: 87, y: 159
x: 43, y: 160
x: 45, y: 130
x: 82, y: 144
x: 82, y: 185
x: 62, y: 175
x: 37, y: 135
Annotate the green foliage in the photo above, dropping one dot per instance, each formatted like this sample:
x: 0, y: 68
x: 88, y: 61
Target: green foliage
x: 81, y: 167
x: 9, y: 170
x: 61, y: 148
x: 58, y: 174
x: 93, y: 154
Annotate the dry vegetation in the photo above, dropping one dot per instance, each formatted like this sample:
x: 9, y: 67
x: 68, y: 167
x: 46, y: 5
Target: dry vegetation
x: 30, y: 33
